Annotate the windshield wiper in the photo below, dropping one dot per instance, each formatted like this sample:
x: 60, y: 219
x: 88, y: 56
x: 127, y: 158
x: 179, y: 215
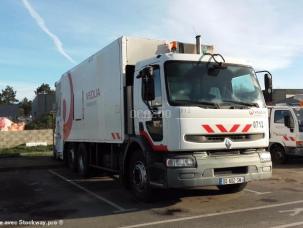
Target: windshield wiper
x: 242, y: 103
x: 197, y: 103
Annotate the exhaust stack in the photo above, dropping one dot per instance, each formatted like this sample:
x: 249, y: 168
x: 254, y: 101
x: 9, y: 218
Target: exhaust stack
x: 198, y: 44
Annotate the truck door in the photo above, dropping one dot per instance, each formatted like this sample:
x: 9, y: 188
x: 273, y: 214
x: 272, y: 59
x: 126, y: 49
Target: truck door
x: 279, y: 131
x: 149, y: 113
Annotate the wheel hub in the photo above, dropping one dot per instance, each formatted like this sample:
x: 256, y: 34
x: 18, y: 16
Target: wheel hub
x: 72, y: 155
x: 139, y: 175
x: 81, y: 163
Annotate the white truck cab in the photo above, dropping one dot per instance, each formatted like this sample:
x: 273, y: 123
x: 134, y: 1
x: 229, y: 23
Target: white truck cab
x: 286, y: 132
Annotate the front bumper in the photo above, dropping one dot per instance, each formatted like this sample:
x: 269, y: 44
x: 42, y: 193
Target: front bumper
x: 294, y: 151
x: 209, y: 171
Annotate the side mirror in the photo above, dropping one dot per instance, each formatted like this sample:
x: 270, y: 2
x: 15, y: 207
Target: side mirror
x: 288, y: 123
x: 148, y: 83
x: 268, y: 87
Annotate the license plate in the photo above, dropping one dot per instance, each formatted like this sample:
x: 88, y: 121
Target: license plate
x: 231, y: 180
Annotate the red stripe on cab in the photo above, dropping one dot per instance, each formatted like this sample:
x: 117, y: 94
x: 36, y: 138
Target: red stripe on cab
x: 234, y: 128
x: 221, y: 128
x: 285, y: 138
x: 246, y: 128
x: 208, y: 128
x: 292, y: 139
x: 114, y: 136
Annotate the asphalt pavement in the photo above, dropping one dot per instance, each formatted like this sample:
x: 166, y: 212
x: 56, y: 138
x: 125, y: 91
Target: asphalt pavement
x: 55, y: 195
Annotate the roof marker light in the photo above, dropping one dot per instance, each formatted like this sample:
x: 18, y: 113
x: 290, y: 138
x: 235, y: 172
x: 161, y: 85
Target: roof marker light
x: 173, y: 46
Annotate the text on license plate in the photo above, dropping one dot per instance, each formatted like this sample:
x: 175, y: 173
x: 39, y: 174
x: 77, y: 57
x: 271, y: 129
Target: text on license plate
x: 231, y: 180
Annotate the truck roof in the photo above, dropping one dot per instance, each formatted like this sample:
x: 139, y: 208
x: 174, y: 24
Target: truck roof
x: 190, y: 57
x: 285, y: 106
x: 152, y: 48
x: 148, y: 44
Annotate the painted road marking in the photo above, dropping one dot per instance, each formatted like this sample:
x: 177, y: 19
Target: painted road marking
x: 119, y: 208
x: 289, y: 225
x: 294, y: 211
x: 91, y: 180
x: 256, y: 192
x: 213, y: 214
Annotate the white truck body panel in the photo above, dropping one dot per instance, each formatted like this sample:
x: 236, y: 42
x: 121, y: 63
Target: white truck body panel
x: 91, y: 102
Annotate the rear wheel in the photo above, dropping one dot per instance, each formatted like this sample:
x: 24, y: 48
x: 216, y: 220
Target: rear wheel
x: 71, y: 158
x: 138, y: 177
x: 232, y: 188
x: 83, y: 167
x: 278, y: 154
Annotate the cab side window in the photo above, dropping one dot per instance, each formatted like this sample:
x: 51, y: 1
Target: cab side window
x: 157, y: 102
x: 158, y: 94
x: 279, y: 116
x: 155, y: 125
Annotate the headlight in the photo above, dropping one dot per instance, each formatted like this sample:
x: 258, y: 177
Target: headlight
x: 180, y: 162
x: 265, y: 157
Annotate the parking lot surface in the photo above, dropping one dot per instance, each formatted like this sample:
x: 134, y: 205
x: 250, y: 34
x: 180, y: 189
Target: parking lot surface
x: 57, y: 194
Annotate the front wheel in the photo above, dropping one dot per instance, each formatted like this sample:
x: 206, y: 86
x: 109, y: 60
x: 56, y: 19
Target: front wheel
x: 232, y: 188
x: 138, y: 177
x: 278, y: 154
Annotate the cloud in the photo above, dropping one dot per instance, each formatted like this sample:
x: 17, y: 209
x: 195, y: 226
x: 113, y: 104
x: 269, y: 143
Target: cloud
x: 40, y: 21
x: 266, y: 33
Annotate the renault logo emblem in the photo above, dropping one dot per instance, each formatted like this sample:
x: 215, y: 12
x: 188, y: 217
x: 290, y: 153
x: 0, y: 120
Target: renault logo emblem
x: 227, y: 143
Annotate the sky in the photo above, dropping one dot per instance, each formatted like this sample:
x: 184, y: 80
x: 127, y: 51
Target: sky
x: 42, y: 39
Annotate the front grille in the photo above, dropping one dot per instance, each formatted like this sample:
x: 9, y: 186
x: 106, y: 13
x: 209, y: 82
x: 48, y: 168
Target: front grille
x: 221, y: 137
x: 223, y: 152
x: 231, y: 170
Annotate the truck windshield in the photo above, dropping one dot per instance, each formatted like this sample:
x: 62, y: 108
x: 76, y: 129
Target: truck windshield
x: 191, y: 83
x: 299, y: 115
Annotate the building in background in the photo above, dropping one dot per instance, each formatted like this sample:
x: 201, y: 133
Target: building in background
x: 43, y: 104
x: 288, y: 96
x: 10, y: 111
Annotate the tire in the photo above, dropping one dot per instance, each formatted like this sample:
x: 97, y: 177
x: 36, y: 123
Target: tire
x: 72, y: 158
x: 232, y: 188
x: 55, y: 155
x: 65, y: 156
x: 278, y: 155
x: 138, y: 177
x: 82, y: 161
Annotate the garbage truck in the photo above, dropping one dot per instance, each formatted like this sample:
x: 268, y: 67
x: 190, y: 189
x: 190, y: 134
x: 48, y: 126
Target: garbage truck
x: 164, y: 114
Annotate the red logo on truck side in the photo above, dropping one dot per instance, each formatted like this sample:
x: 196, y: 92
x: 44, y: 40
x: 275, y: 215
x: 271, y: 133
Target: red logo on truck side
x: 67, y: 126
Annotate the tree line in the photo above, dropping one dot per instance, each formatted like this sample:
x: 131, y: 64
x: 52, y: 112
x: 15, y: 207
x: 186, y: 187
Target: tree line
x: 8, y: 96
